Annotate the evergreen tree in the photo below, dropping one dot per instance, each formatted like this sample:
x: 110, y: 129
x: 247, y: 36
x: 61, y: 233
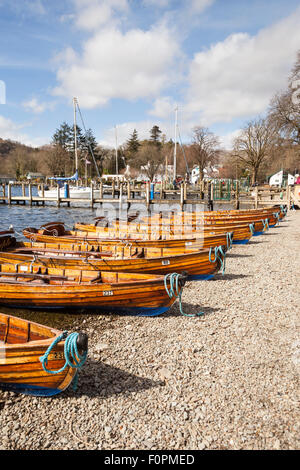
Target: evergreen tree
x: 133, y: 144
x: 155, y: 135
x: 63, y: 136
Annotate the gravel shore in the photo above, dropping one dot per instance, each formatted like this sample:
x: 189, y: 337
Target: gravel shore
x: 228, y: 379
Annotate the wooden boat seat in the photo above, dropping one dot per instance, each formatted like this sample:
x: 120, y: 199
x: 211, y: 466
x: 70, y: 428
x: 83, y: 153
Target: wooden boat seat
x: 138, y: 253
x: 96, y: 279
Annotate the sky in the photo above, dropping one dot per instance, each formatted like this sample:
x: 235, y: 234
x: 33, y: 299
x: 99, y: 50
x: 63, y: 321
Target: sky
x: 131, y: 63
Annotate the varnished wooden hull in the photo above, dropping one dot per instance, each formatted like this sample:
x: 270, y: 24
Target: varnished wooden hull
x: 22, y: 344
x: 111, y: 292
x: 153, y: 232
x: 86, y: 242
x: 197, y: 264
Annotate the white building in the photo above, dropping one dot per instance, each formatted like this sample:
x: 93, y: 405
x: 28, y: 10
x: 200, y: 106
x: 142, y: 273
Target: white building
x: 212, y: 172
x: 280, y: 179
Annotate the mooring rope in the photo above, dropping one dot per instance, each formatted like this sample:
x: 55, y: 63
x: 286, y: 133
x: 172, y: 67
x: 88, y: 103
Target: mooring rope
x: 276, y: 215
x: 72, y: 357
x: 229, y: 237
x: 265, y: 224
x: 218, y: 255
x: 252, y: 229
x: 176, y: 291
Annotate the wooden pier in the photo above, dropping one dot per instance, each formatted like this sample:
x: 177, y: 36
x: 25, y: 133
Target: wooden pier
x: 131, y: 193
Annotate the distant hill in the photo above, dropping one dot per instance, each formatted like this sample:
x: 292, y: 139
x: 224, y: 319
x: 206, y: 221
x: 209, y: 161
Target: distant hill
x: 7, y: 146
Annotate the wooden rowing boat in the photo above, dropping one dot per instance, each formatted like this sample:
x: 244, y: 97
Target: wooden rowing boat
x: 241, y: 232
x: 140, y: 294
x: 198, y: 265
x: 33, y: 357
x: 84, y: 241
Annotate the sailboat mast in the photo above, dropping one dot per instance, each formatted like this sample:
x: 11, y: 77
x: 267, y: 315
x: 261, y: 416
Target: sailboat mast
x: 175, y: 147
x: 75, y: 135
x: 117, y: 167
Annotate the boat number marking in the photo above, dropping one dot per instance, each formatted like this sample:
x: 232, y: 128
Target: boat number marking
x: 165, y: 262
x: 57, y: 355
x: 23, y: 268
x: 107, y: 293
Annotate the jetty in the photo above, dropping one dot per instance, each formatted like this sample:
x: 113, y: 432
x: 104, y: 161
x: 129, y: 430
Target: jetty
x: 149, y: 194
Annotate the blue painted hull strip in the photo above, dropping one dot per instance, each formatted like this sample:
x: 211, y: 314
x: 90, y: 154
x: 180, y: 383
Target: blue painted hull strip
x: 136, y: 311
x: 30, y: 389
x: 240, y: 242
x: 200, y: 277
x: 256, y: 234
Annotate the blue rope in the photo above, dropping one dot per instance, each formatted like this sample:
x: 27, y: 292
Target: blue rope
x: 265, y: 224
x: 251, y: 226
x: 229, y: 237
x: 218, y: 255
x: 276, y: 215
x: 176, y: 291
x: 72, y: 357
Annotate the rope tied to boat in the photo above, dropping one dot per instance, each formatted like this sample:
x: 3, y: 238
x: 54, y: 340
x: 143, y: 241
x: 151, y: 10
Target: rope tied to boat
x: 229, y: 240
x: 252, y: 229
x: 276, y: 215
x: 283, y: 209
x: 265, y: 224
x: 72, y: 357
x: 176, y: 291
x: 218, y: 255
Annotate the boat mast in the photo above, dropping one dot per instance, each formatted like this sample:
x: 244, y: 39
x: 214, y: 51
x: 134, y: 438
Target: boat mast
x: 117, y: 168
x: 75, y: 138
x: 175, y: 147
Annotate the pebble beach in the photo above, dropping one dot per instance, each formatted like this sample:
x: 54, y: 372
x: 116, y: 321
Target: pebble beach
x: 226, y: 379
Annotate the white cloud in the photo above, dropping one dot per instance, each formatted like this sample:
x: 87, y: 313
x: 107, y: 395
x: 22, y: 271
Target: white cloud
x: 226, y: 140
x: 200, y: 5
x: 163, y: 107
x: 36, y: 107
x: 131, y: 65
x: 92, y: 14
x: 12, y: 131
x: 236, y: 78
x: 124, y: 131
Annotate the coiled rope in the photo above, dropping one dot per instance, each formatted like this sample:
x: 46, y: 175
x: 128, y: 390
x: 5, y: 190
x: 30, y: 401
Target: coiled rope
x: 72, y: 357
x: 218, y: 255
x: 176, y: 291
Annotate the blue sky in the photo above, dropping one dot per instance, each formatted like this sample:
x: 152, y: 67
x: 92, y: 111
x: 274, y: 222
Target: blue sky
x: 130, y: 63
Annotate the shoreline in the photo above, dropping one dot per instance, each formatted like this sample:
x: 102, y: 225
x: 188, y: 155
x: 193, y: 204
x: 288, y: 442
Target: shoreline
x: 226, y: 380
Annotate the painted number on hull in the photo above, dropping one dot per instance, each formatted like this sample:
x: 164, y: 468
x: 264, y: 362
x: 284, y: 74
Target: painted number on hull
x: 57, y: 355
x: 107, y: 293
x: 165, y: 262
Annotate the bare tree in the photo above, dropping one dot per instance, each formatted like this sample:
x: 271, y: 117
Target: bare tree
x: 284, y: 110
x: 204, y: 148
x: 150, y: 158
x: 255, y: 144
